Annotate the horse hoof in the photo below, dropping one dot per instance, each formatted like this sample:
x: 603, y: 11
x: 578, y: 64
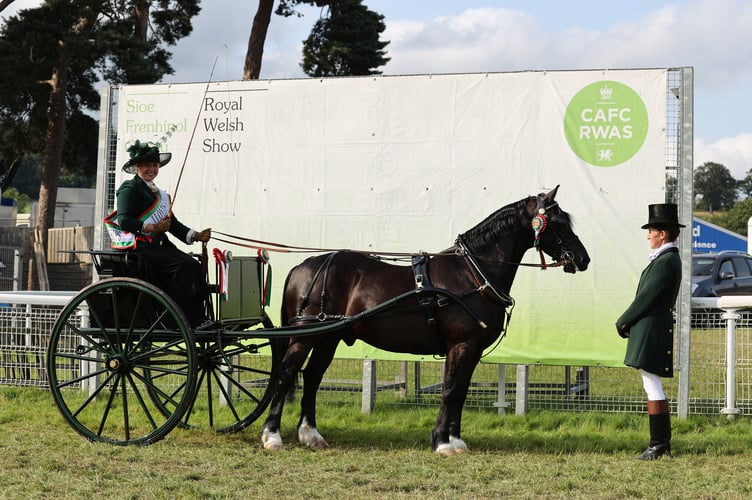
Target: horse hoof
x: 458, y: 444
x: 271, y: 440
x: 314, y: 441
x: 446, y: 449
x: 309, y: 436
x: 320, y: 444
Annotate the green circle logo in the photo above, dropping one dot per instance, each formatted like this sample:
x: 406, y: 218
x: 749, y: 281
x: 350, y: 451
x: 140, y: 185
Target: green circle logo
x: 606, y: 123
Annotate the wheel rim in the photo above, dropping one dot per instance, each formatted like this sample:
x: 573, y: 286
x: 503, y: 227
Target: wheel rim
x: 106, y: 370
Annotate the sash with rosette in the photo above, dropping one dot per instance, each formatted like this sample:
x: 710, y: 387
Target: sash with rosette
x: 125, y: 240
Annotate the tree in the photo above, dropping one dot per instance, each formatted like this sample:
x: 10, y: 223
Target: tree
x: 736, y: 218
x: 53, y: 56
x: 745, y: 185
x: 255, y: 52
x: 715, y: 186
x: 24, y: 202
x: 346, y: 42
x: 365, y: 24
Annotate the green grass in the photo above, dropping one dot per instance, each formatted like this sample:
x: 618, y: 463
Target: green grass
x: 385, y: 454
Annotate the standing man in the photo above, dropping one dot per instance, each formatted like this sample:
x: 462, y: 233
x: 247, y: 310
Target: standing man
x: 648, y: 323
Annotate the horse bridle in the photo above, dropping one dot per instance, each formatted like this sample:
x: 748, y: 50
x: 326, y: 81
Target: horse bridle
x: 540, y: 223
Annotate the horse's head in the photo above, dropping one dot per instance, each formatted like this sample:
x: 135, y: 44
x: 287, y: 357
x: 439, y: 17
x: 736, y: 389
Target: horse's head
x: 554, y: 235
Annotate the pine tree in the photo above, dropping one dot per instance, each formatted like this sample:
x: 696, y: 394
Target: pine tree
x: 346, y: 42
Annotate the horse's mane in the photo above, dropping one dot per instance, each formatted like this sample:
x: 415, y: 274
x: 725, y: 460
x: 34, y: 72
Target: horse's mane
x: 500, y: 223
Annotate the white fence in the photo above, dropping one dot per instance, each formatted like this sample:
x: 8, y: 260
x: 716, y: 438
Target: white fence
x: 26, y: 320
x: 733, y: 307
x: 720, y: 367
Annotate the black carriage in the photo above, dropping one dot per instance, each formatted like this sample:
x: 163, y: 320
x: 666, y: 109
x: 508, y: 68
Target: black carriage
x: 125, y: 367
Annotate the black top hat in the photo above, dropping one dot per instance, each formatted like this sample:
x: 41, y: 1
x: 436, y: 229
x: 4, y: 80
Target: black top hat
x: 144, y: 152
x: 662, y: 214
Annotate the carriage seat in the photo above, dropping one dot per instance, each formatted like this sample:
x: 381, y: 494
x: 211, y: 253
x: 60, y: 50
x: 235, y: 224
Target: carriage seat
x: 120, y: 264
x: 127, y: 264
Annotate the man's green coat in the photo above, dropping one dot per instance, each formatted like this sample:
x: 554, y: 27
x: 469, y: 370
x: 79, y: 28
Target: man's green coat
x: 649, y: 318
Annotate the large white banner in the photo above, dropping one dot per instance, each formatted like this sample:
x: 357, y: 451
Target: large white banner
x: 406, y: 163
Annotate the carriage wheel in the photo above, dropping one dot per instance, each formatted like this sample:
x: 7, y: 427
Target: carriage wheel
x: 234, y: 379
x: 115, y: 346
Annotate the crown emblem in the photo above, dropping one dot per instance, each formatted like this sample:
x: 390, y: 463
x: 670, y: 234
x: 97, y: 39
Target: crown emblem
x: 606, y: 92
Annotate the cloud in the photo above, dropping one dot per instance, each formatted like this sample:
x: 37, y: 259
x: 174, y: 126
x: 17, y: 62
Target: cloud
x: 477, y: 40
x: 711, y: 35
x: 735, y: 153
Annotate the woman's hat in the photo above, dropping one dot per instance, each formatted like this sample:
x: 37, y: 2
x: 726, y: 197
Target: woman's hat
x: 662, y: 214
x: 144, y: 152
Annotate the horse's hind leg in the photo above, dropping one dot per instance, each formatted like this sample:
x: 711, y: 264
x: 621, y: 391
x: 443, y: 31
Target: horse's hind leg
x: 321, y: 358
x: 283, y: 380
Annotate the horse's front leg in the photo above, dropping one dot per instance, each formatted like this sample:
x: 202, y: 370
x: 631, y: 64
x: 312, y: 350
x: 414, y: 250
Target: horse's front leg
x: 321, y: 358
x: 460, y: 364
x: 283, y: 381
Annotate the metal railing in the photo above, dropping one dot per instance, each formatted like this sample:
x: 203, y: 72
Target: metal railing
x: 720, y: 364
x: 731, y: 307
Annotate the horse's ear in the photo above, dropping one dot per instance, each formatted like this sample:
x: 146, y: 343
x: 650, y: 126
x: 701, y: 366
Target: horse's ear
x: 549, y: 198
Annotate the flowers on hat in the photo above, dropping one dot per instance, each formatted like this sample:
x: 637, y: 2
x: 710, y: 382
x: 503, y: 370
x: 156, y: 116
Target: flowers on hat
x: 144, y: 152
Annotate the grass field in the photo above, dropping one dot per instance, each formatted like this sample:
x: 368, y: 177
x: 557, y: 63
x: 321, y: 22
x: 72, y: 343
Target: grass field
x: 384, y: 455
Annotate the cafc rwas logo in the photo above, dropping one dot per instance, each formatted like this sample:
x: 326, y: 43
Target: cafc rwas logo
x: 606, y: 123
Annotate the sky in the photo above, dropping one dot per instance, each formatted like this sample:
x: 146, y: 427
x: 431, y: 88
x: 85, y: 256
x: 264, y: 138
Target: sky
x: 450, y: 36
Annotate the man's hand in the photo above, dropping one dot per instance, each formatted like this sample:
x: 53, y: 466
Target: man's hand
x: 203, y: 236
x: 160, y: 227
x: 622, y: 331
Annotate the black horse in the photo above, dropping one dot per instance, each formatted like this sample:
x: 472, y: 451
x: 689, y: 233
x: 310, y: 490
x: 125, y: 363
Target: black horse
x: 453, y: 304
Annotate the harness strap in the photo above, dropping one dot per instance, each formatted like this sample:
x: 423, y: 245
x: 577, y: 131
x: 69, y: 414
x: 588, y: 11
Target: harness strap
x: 420, y: 270
x: 477, y: 273
x: 428, y: 301
x: 322, y: 316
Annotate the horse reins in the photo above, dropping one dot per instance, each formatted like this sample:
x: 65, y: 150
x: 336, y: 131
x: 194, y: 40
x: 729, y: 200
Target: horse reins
x: 283, y: 248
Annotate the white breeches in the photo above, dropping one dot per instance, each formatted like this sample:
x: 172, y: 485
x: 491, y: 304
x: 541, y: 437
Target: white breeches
x: 653, y: 386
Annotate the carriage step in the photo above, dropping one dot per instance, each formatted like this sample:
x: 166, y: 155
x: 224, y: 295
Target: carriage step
x: 208, y: 326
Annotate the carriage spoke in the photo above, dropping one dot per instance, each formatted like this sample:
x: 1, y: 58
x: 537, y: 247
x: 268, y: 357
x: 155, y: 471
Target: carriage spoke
x: 210, y: 398
x: 84, y: 334
x: 76, y: 381
x: 156, y: 390
x: 189, y: 412
x: 126, y: 412
x: 228, y: 397
x: 93, y: 395
x: 108, y: 406
x: 239, y: 386
x: 173, y: 348
x: 140, y: 398
x: 106, y: 340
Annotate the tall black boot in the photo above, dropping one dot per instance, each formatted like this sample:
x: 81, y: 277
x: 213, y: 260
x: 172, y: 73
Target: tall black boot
x: 660, y: 431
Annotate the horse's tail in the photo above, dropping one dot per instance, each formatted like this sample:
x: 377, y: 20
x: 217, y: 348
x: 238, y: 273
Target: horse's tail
x: 285, y: 321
